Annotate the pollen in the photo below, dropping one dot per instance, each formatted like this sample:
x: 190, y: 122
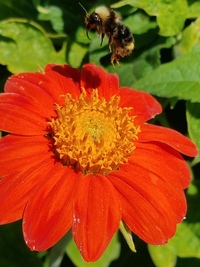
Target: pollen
x: 93, y: 135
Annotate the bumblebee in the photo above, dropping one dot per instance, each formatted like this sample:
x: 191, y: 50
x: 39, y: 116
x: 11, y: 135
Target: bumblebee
x: 108, y: 22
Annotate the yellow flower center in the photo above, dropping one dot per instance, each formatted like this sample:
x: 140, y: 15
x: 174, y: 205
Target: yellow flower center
x: 93, y: 135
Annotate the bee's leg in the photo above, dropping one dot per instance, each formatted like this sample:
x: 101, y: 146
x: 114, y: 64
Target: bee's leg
x: 114, y: 58
x: 87, y: 34
x: 110, y: 42
x: 102, y: 37
x: 117, y: 61
x: 112, y: 62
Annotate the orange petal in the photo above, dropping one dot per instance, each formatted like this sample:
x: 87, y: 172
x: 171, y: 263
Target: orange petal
x: 63, y: 77
x: 145, y: 106
x: 164, y: 162
x: 22, y: 152
x: 16, y: 189
x: 168, y: 136
x: 150, y: 208
x: 19, y: 116
x: 97, y: 215
x: 93, y: 77
x: 29, y: 86
x: 48, y: 214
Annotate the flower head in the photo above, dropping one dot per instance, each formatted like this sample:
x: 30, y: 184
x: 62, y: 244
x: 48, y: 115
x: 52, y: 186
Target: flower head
x: 79, y: 155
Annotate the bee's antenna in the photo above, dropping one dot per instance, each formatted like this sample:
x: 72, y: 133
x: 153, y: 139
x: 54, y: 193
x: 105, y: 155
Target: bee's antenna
x: 83, y: 7
x: 86, y: 20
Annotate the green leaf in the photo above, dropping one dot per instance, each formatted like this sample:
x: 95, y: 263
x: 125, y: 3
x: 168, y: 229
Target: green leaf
x: 179, y: 78
x: 54, y: 15
x: 184, y: 244
x: 163, y: 256
x: 126, y: 73
x: 194, y: 8
x: 193, y: 119
x: 112, y: 252
x: 96, y: 52
x: 147, y: 61
x: 171, y: 14
x: 190, y: 38
x: 76, y: 55
x: 24, y: 46
x: 139, y: 23
x: 81, y: 36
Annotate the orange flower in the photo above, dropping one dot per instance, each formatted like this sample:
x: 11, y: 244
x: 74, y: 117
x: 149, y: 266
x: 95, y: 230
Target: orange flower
x: 79, y: 155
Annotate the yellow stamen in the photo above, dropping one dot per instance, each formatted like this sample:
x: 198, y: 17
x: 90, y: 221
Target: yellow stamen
x: 93, y: 135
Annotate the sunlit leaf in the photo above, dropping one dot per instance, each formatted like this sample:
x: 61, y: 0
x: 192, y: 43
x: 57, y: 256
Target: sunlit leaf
x: 163, y: 256
x: 170, y: 14
x: 186, y: 243
x: 81, y: 36
x: 190, y: 38
x: 24, y: 46
x: 76, y: 55
x: 139, y: 23
x: 193, y: 8
x: 179, y: 78
x: 54, y: 15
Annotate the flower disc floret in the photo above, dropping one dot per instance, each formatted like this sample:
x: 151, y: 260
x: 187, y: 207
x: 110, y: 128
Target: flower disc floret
x: 93, y: 135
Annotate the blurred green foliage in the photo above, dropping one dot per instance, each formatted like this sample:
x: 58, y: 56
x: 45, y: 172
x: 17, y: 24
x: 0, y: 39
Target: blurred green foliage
x: 165, y: 63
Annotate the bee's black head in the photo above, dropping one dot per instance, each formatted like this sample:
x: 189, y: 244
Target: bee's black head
x: 92, y: 21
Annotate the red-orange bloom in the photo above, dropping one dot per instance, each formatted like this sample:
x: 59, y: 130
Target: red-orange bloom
x: 80, y: 155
